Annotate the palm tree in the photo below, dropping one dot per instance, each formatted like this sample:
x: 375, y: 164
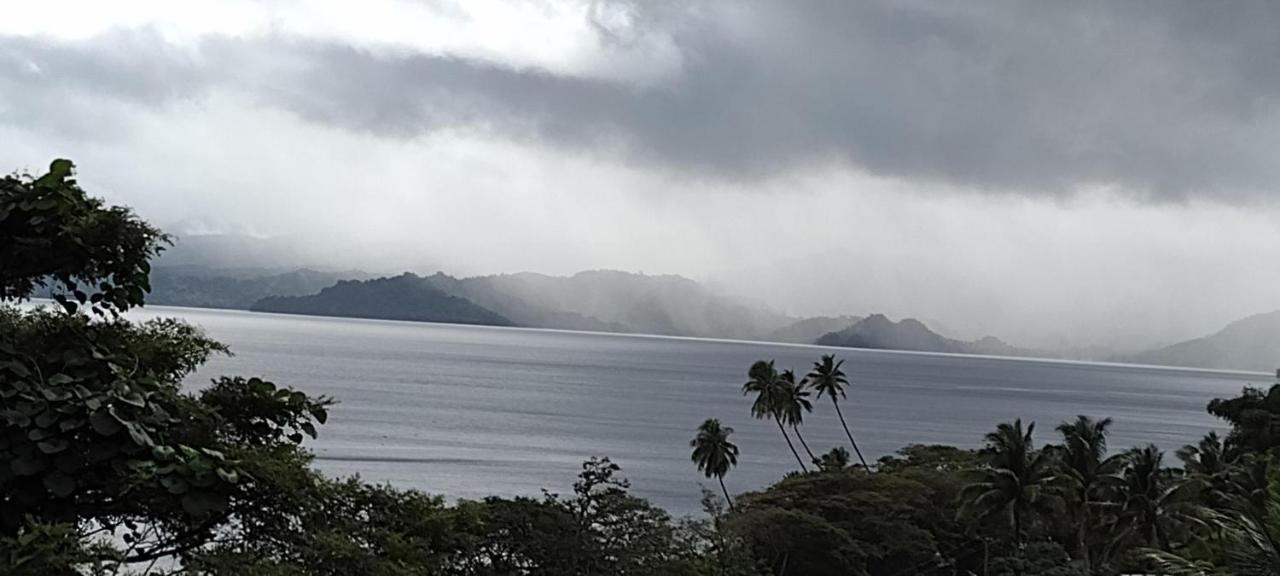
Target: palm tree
x: 836, y: 459
x: 793, y: 403
x: 714, y: 453
x: 765, y: 383
x: 1085, y: 469
x: 1015, y: 480
x: 1208, y: 457
x: 829, y: 380
x: 1250, y: 539
x: 1151, y: 495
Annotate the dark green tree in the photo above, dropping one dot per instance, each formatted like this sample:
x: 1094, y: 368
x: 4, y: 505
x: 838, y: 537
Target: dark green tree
x: 835, y: 459
x: 1084, y: 473
x: 1015, y: 482
x: 1254, y: 416
x: 96, y: 435
x: 53, y: 234
x: 1153, y: 497
x: 1245, y: 539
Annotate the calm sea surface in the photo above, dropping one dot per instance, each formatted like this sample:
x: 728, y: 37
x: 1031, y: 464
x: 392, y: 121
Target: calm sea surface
x: 472, y: 411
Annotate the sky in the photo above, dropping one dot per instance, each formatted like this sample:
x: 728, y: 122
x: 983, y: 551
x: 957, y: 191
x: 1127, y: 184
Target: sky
x: 1052, y: 173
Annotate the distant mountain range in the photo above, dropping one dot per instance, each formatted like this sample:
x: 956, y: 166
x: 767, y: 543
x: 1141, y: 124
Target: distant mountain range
x: 203, y: 287
x: 879, y: 332
x: 809, y: 330
x: 247, y: 273
x: 1252, y: 343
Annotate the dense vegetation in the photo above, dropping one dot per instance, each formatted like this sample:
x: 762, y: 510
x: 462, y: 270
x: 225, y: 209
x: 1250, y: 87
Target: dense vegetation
x: 110, y: 467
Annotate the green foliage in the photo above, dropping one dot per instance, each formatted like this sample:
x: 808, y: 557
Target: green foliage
x: 98, y: 442
x: 1038, y: 559
x: 51, y: 231
x: 95, y: 429
x: 1014, y: 484
x: 48, y: 549
x: 835, y: 459
x: 1254, y: 417
x: 851, y: 522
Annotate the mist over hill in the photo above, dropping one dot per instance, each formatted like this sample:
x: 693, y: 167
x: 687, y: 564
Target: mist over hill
x: 232, y: 251
x: 241, y: 271
x: 614, y: 301
x: 1251, y: 343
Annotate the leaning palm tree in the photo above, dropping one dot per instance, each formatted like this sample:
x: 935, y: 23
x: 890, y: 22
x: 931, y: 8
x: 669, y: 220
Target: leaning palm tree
x: 714, y: 453
x: 827, y: 379
x: 793, y: 403
x: 1084, y: 472
x: 1015, y: 480
x: 764, y: 381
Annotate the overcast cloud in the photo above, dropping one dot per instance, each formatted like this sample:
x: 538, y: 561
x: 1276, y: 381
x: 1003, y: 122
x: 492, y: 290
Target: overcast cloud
x: 1050, y: 172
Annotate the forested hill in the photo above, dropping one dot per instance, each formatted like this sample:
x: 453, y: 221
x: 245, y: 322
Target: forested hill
x: 404, y: 297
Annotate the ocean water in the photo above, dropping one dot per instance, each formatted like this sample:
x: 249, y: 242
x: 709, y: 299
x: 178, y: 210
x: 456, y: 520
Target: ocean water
x: 469, y: 411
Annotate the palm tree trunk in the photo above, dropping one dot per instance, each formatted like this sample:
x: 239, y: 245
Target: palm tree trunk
x: 850, y: 435
x: 790, y: 445
x: 803, y: 444
x: 1017, y: 540
x: 1082, y: 536
x: 1017, y: 527
x: 726, y: 493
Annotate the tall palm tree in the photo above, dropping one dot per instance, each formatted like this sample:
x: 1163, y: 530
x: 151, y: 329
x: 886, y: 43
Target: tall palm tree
x: 827, y: 379
x: 793, y: 403
x: 1085, y: 470
x: 714, y: 453
x: 764, y: 381
x: 1015, y: 480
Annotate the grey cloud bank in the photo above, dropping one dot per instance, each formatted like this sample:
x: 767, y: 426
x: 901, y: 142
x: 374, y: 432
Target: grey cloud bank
x: 1162, y: 101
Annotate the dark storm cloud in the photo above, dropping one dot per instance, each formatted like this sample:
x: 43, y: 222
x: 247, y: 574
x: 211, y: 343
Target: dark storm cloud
x: 1166, y: 100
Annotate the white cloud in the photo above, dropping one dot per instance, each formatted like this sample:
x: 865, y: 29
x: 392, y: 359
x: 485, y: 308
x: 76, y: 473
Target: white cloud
x: 573, y: 37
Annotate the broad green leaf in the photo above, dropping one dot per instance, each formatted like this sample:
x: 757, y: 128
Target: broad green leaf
x: 60, y: 484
